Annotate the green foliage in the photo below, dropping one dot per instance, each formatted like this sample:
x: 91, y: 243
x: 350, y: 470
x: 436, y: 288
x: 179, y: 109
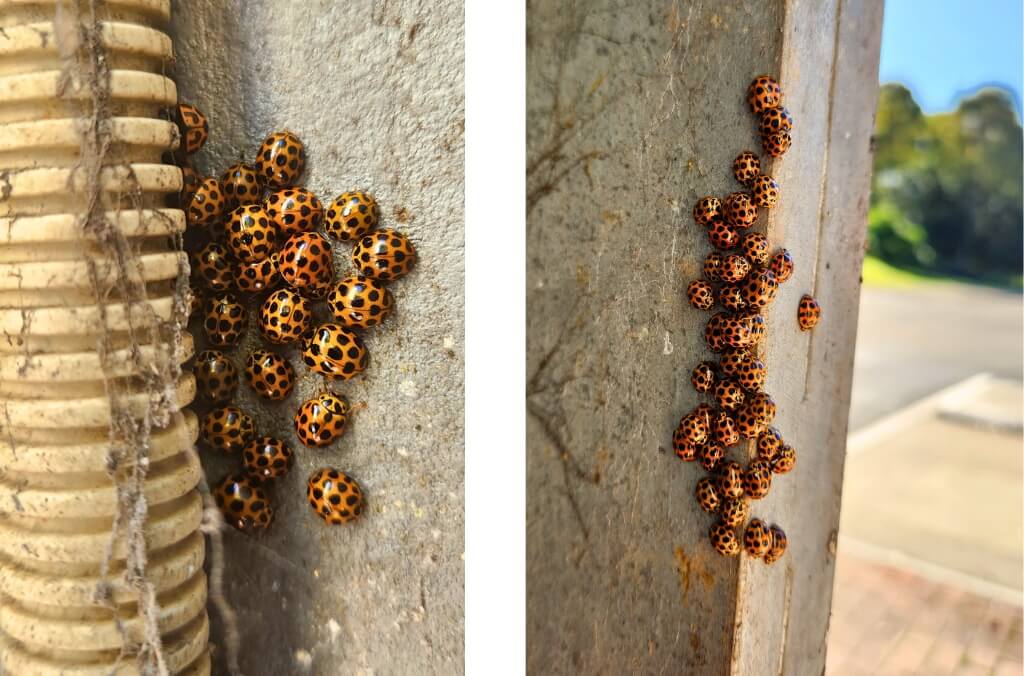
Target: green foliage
x: 947, y: 188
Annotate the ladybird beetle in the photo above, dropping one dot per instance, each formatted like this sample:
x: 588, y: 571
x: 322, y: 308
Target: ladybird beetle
x: 228, y: 429
x: 713, y: 266
x: 746, y: 167
x: 351, y: 215
x: 703, y: 376
x: 207, y: 203
x: 216, y: 376
x: 730, y: 298
x: 740, y: 211
x: 752, y: 374
x: 769, y: 443
x: 241, y: 184
x: 294, y: 211
x: 707, y: 209
x: 713, y: 332
x: 733, y: 511
x: 250, y: 234
x: 385, y: 254
x: 747, y: 424
x: 334, y: 496
x: 224, y: 319
x: 776, y: 145
x: 693, y: 428
x: 730, y: 480
x: 808, y: 313
x: 269, y: 374
x: 757, y: 538
x: 782, y: 266
x: 707, y: 496
x: 775, y: 121
x: 306, y: 264
x: 321, y: 420
x: 723, y: 539
x: 755, y: 248
x: 266, y: 458
x: 684, y: 450
x: 710, y: 455
x: 724, y: 428
x: 734, y: 268
x: 762, y: 406
x: 335, y: 352
x: 360, y: 302
x: 281, y: 159
x: 779, y: 544
x: 721, y: 236
x: 728, y: 394
x: 764, y: 93
x: 784, y: 460
x: 285, y: 316
x: 765, y: 191
x: 213, y: 267
x: 732, y: 360
x: 700, y: 294
x: 193, y: 126
x: 759, y: 288
x: 244, y: 504
x: 258, y: 275
x: 757, y: 479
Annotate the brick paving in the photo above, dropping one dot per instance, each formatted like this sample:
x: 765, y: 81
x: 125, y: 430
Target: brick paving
x: 889, y: 622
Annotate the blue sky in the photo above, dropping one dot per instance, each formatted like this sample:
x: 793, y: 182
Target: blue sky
x: 943, y: 49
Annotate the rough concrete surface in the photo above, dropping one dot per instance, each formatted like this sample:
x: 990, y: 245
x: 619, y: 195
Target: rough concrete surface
x: 375, y: 90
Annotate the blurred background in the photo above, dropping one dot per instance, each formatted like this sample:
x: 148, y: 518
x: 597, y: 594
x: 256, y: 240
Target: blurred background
x: 929, y: 571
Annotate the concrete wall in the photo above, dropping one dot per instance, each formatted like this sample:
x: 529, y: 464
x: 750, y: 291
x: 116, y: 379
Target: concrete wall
x: 375, y: 90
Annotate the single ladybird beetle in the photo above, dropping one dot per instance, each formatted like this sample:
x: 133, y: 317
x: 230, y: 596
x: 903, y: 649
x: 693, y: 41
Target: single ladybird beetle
x: 683, y: 449
x: 755, y: 248
x: 724, y: 428
x: 730, y: 479
x: 710, y: 455
x: 784, y: 460
x: 285, y: 317
x: 776, y: 145
x: 360, y: 302
x: 228, y: 429
x: 216, y: 376
x: 707, y: 495
x: 269, y: 374
x: 251, y: 235
x: 351, y: 215
x: 746, y: 167
x: 734, y: 268
x: 730, y: 298
x: 257, y: 276
x: 321, y: 420
x: 335, y: 352
x: 224, y: 319
x: 266, y: 458
x: 759, y: 288
x: 703, y: 377
x: 769, y: 443
x: 242, y: 185
x: 732, y: 360
x: 723, y: 539
x: 244, y: 504
x: 779, y: 544
x: 713, y: 266
x: 193, y: 126
x: 306, y: 264
x: 733, y: 511
x: 728, y: 394
x: 808, y: 313
x: 713, y: 332
x: 294, y: 211
x: 281, y: 159
x: 385, y: 254
x: 765, y: 191
x: 747, y: 423
x: 764, y: 93
x: 752, y: 374
x: 736, y: 331
x: 740, y: 211
x: 207, y: 203
x: 700, y: 294
x: 757, y: 479
x: 707, y: 209
x: 782, y: 266
x: 762, y: 406
x: 775, y: 121
x: 722, y: 236
x: 757, y: 538
x: 334, y: 496
x: 693, y: 428
x: 213, y: 267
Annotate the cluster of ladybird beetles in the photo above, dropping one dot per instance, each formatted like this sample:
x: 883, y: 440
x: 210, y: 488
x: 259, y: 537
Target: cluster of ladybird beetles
x: 742, y: 276
x: 252, y: 231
